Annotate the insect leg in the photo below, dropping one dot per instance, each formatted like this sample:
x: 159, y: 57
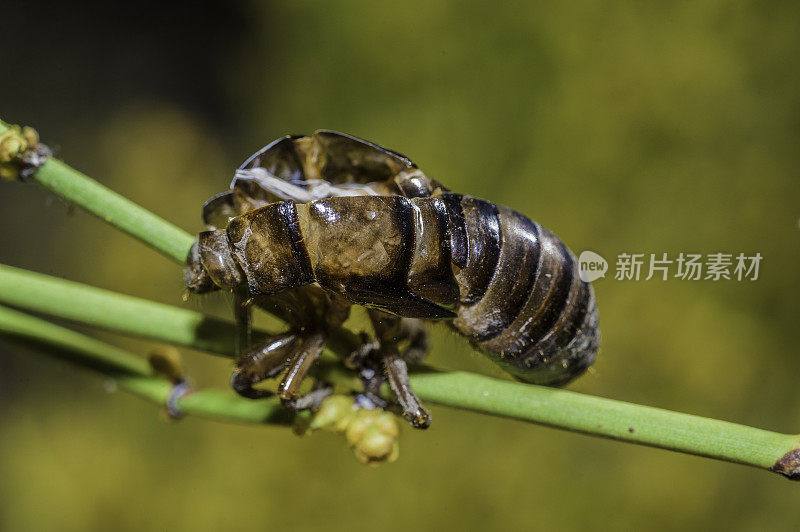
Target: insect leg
x: 390, y: 331
x: 413, y: 411
x: 310, y: 349
x: 264, y: 361
x: 270, y: 358
x: 311, y: 314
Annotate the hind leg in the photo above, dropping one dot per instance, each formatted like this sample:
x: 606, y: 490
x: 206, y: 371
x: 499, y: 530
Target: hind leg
x: 397, y: 374
x: 391, y: 331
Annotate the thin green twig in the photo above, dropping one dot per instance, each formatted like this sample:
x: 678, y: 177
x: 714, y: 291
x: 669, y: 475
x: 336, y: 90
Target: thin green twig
x: 132, y: 373
x: 556, y: 408
x: 113, y: 209
x: 127, y: 314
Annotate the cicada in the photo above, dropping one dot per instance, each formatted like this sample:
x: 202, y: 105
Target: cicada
x: 312, y: 225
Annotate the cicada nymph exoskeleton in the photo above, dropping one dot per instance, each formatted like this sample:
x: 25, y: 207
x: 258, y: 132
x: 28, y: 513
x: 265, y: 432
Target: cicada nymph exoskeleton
x: 313, y: 225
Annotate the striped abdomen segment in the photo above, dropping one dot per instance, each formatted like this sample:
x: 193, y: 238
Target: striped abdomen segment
x: 522, y: 301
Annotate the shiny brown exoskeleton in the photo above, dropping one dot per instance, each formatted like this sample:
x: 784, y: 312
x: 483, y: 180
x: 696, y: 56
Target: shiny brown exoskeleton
x: 313, y: 225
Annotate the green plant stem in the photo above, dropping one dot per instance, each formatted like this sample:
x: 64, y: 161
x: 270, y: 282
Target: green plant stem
x: 112, y: 311
x: 556, y: 408
x: 113, y: 209
x: 132, y: 373
x: 606, y: 417
x: 127, y: 314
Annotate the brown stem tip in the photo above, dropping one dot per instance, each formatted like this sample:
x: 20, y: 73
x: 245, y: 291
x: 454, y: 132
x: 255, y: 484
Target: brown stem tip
x: 788, y: 465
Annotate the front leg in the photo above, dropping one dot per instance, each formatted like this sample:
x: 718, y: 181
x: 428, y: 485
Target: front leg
x: 390, y: 331
x: 306, y: 353
x: 269, y: 358
x: 264, y: 361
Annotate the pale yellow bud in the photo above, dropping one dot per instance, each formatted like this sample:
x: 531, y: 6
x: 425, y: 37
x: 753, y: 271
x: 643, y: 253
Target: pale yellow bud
x: 373, y: 436
x: 10, y: 147
x: 334, y: 414
x: 30, y: 135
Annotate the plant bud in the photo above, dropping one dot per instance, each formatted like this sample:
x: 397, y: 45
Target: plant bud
x: 334, y: 414
x: 373, y: 436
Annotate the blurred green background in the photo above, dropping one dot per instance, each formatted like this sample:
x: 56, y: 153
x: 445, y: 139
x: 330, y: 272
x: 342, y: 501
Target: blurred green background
x: 622, y: 127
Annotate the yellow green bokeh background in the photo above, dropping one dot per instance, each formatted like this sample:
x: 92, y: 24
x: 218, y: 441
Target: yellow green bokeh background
x: 622, y: 127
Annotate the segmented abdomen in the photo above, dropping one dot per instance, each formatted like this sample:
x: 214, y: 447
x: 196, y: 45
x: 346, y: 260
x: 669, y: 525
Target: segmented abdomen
x: 522, y: 300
